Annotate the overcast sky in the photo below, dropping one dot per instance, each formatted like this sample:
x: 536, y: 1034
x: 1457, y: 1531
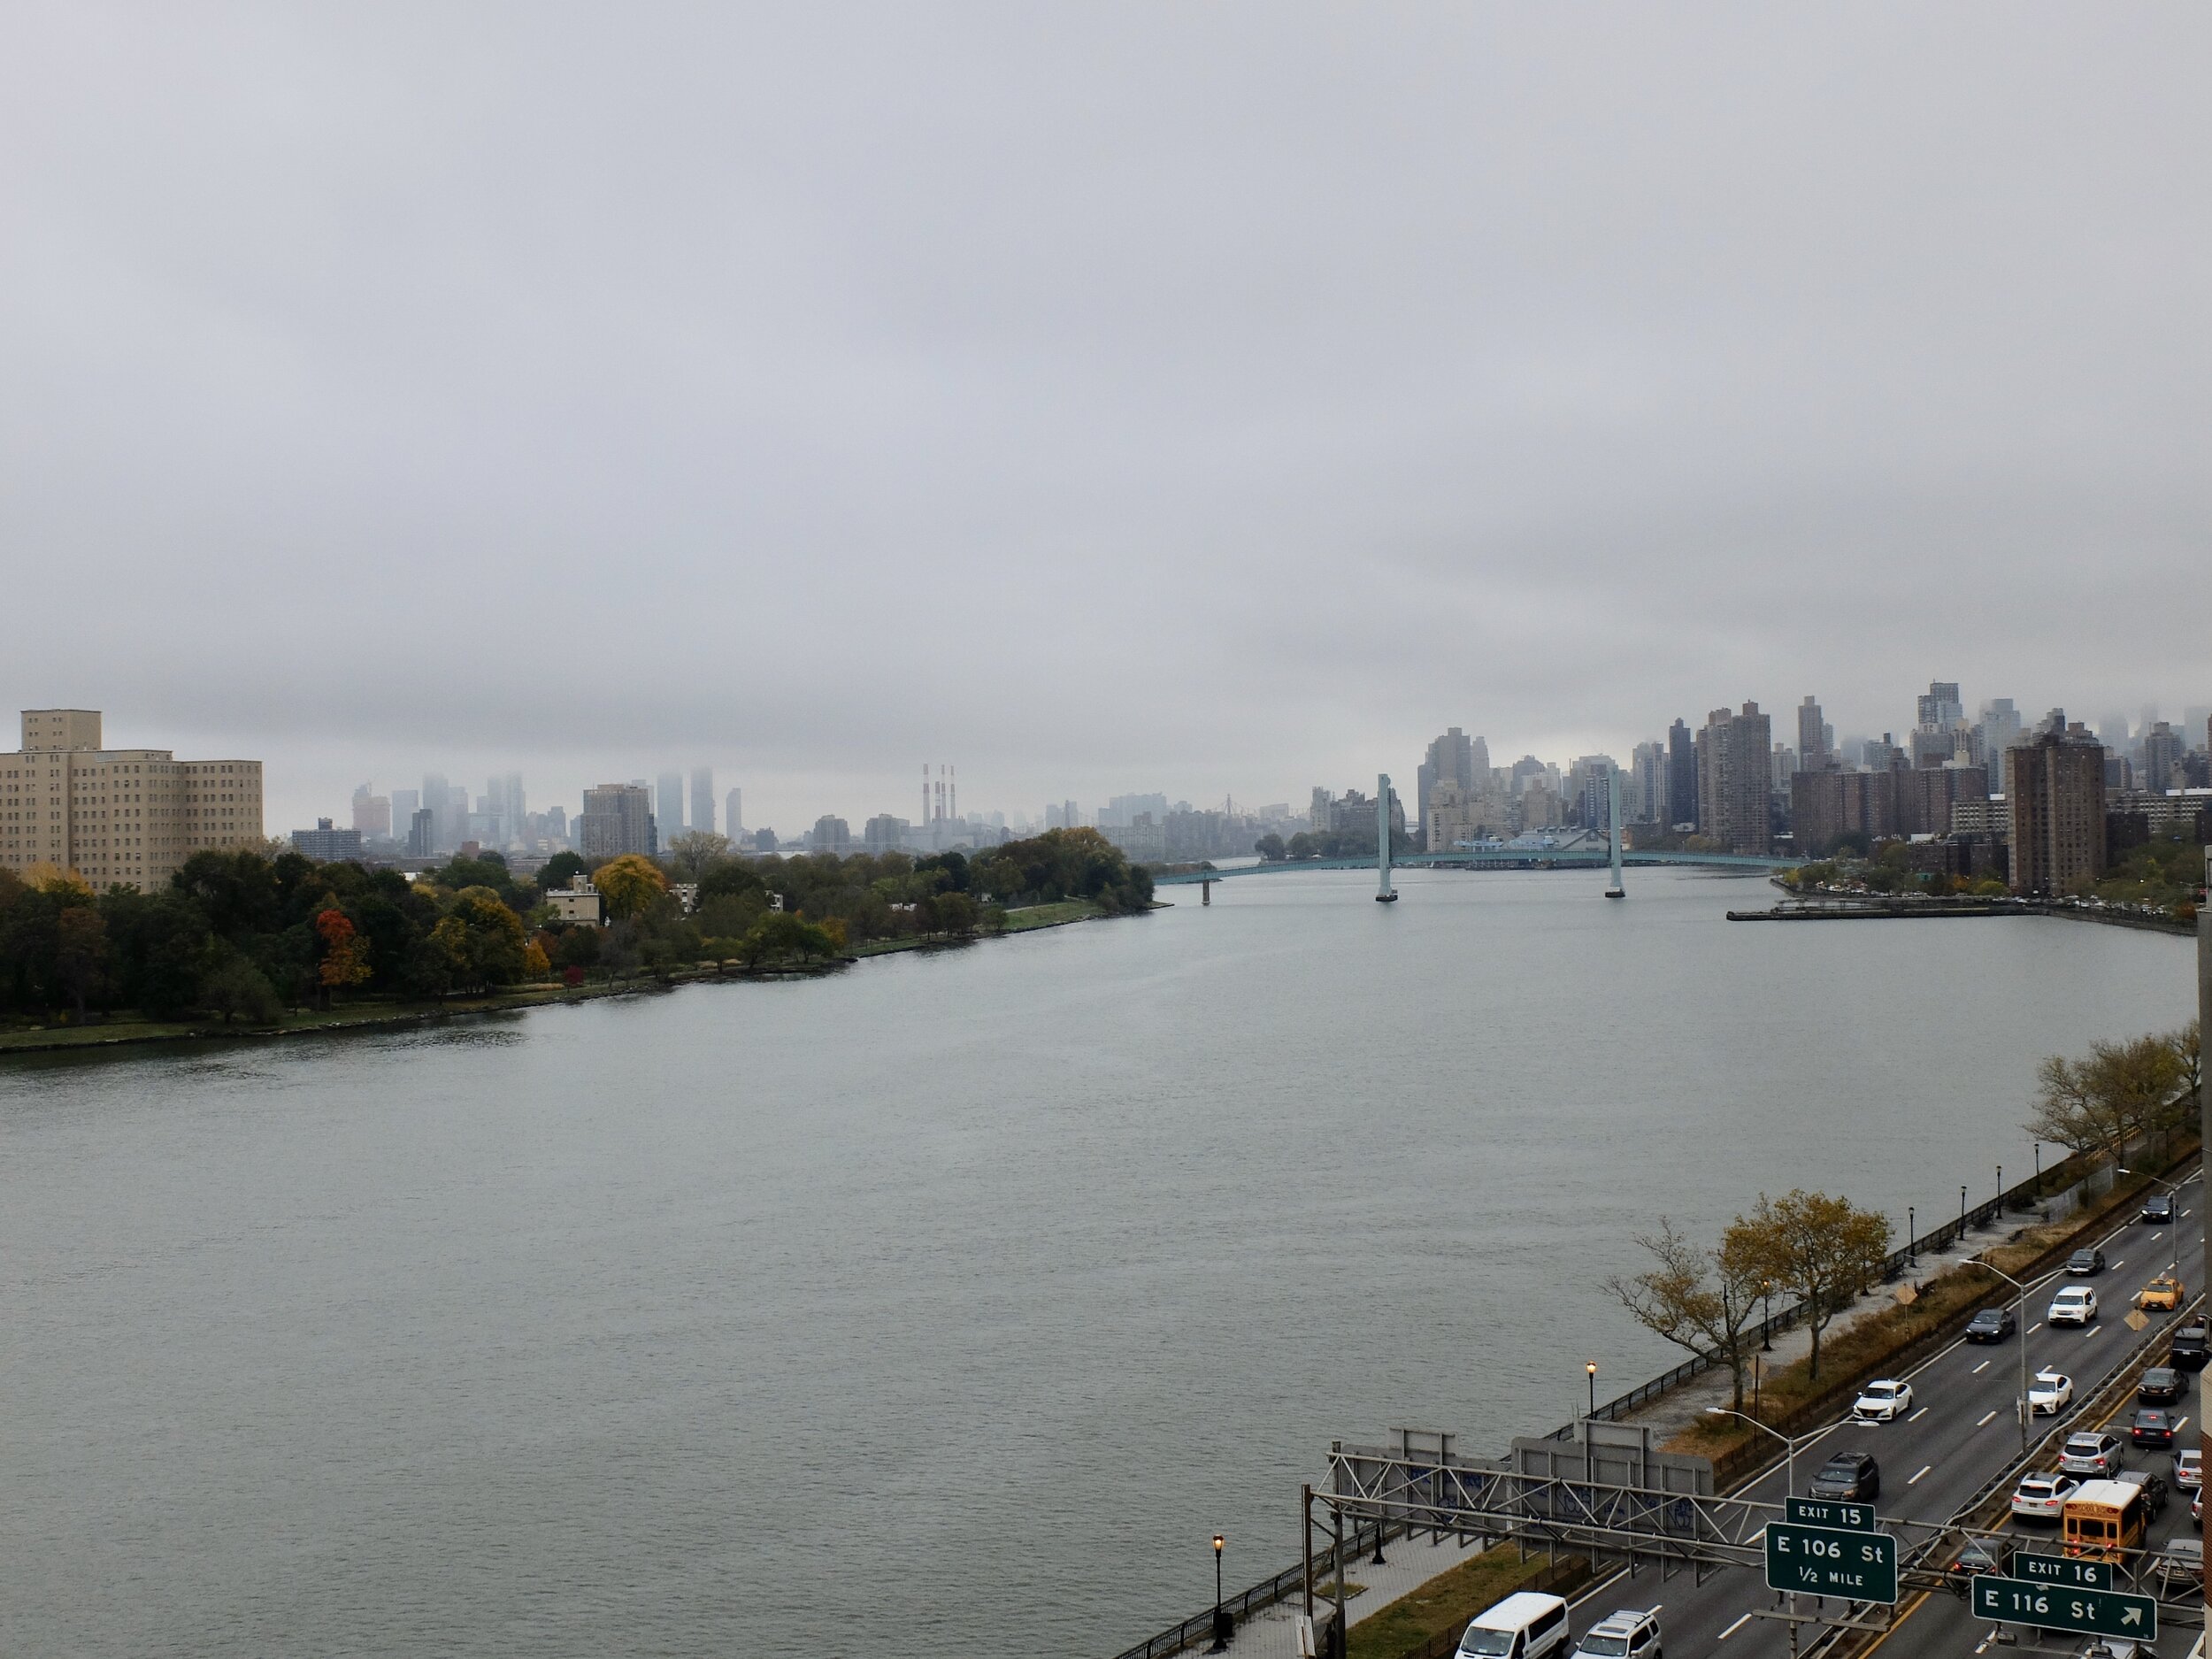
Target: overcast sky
x: 1203, y: 397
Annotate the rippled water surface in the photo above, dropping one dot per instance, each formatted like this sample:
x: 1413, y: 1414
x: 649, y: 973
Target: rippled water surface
x: 946, y: 1307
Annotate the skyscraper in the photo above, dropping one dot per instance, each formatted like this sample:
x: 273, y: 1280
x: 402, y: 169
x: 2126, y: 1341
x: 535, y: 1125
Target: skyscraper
x: 703, y: 798
x: 1644, y: 796
x: 1451, y: 760
x: 668, y: 802
x: 1812, y: 737
x: 2057, y: 796
x: 1681, y: 775
x: 1940, y: 706
x: 2162, y: 749
x: 371, y: 814
x: 733, y: 814
x: 2000, y: 730
x: 1735, y: 759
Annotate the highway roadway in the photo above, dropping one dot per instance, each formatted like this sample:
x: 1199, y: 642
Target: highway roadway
x: 1962, y: 1432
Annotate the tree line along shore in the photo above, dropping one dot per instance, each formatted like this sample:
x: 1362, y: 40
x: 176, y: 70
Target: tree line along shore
x: 274, y: 940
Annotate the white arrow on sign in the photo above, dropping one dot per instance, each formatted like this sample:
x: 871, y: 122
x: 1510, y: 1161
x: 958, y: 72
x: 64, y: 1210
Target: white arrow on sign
x: 2132, y: 1616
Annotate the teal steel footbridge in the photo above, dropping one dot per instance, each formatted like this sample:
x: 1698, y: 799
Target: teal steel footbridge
x: 1598, y: 858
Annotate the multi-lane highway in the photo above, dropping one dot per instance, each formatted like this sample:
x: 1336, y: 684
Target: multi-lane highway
x: 1960, y: 1434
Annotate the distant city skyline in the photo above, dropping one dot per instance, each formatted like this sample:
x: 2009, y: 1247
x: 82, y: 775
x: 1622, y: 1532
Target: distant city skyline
x: 790, y: 803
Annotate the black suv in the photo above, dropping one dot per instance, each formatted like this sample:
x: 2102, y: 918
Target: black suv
x: 1848, y: 1475
x: 2162, y: 1386
x: 2153, y: 1485
x: 2192, y: 1347
x: 2158, y: 1209
x: 2082, y: 1264
x: 1991, y: 1325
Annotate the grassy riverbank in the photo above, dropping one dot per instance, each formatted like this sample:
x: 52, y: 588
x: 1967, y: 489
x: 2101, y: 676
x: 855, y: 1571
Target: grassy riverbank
x: 365, y: 1013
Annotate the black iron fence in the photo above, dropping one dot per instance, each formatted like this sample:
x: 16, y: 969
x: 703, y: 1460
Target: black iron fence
x: 1359, y: 1538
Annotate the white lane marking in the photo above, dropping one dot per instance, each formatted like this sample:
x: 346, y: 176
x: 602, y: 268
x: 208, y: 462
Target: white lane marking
x: 1923, y: 1470
x: 1733, y: 1628
x: 1986, y: 1419
x: 1655, y: 1606
x: 1916, y: 1416
x: 2033, y: 1329
x: 2184, y: 1214
x: 2116, y: 1266
x: 1980, y: 1369
x: 2181, y: 1426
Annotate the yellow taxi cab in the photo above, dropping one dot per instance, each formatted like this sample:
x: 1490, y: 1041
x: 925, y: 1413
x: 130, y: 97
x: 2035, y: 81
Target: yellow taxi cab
x: 2162, y: 1294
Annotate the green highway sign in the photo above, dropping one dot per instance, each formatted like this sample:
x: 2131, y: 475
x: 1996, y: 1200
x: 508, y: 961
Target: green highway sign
x: 1853, y: 1518
x: 1829, y: 1560
x: 2090, y: 1612
x: 2065, y: 1571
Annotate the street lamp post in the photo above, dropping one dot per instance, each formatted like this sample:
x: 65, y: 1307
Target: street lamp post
x: 2022, y: 1289
x: 1789, y: 1456
x: 1766, y: 1329
x: 1912, y: 1239
x: 2001, y: 1195
x: 2038, y: 1172
x: 1589, y: 1451
x: 1961, y: 1216
x: 1221, y: 1633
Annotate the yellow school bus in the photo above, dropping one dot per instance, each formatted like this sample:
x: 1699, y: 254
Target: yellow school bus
x: 2103, y: 1519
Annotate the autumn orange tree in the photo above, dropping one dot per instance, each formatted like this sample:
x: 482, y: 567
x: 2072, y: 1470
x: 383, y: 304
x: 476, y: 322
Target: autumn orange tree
x: 345, y: 962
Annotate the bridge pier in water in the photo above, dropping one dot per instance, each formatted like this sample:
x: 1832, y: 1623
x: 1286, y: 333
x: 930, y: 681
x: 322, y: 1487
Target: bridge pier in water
x: 1613, y: 810
x: 1385, y: 894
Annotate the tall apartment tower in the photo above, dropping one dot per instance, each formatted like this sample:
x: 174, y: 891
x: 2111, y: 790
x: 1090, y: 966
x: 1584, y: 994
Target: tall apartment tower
x: 118, y: 817
x: 2057, y: 799
x: 1735, y: 759
x: 618, y: 818
x: 668, y: 804
x: 1812, y: 737
x: 733, y: 814
x: 1681, y: 775
x: 703, y: 798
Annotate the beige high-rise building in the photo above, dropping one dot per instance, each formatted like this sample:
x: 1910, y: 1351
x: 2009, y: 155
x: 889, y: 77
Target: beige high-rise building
x: 118, y: 817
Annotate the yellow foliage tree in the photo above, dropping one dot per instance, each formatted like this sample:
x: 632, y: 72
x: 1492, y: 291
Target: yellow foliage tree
x: 629, y: 885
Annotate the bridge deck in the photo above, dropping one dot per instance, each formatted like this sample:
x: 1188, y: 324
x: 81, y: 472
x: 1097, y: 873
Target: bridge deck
x: 1519, y: 858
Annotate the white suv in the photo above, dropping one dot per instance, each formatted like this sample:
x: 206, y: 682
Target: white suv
x: 1626, y: 1634
x: 2075, y: 1304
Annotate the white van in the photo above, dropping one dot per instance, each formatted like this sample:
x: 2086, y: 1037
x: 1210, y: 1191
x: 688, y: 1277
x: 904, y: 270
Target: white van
x: 1525, y: 1625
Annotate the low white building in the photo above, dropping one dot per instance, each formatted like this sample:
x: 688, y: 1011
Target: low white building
x: 579, y: 902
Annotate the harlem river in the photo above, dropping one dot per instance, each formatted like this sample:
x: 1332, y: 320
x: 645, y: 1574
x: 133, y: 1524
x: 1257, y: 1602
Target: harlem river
x: 946, y: 1307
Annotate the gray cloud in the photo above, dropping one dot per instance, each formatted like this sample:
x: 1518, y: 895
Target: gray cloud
x: 1212, y: 398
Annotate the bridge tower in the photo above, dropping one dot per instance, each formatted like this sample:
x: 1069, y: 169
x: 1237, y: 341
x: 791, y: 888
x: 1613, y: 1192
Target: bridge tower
x: 1613, y: 808
x: 1385, y: 894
